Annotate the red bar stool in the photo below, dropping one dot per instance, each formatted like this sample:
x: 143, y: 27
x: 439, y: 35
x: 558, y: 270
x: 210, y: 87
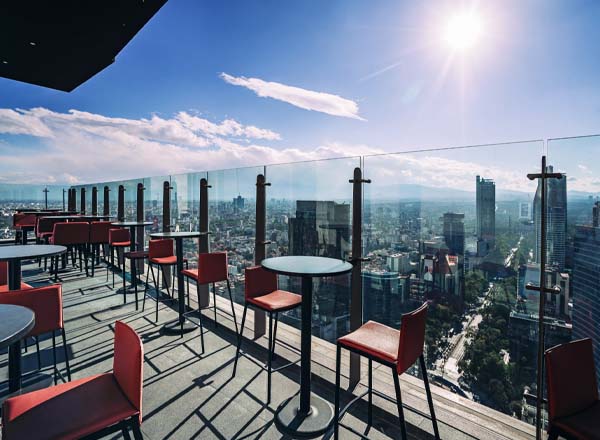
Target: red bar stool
x: 75, y: 236
x: 134, y: 257
x: 573, y: 405
x: 108, y: 402
x: 161, y: 253
x: 98, y: 240
x: 118, y: 239
x: 46, y: 303
x: 261, y: 292
x: 398, y: 350
x: 212, y: 268
x: 22, y: 223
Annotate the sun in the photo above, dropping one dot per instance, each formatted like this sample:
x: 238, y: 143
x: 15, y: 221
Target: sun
x: 463, y: 31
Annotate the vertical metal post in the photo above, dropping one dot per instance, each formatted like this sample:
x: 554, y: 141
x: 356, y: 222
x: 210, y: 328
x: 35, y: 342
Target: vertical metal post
x: 140, y: 236
x: 203, y: 242
x: 46, y: 197
x: 64, y: 206
x: 543, y: 290
x: 260, y: 245
x: 94, y: 201
x: 82, y: 201
x: 166, y: 206
x: 71, y: 199
x: 121, y: 204
x: 356, y: 299
x: 106, y: 206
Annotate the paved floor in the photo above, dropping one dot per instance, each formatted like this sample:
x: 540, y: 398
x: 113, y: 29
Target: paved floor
x: 187, y: 395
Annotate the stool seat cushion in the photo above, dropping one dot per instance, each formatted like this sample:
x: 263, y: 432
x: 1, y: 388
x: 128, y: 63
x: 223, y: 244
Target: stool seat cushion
x: 66, y: 411
x: 136, y: 255
x: 378, y: 340
x: 277, y: 300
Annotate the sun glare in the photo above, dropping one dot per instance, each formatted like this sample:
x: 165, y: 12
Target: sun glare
x: 463, y: 30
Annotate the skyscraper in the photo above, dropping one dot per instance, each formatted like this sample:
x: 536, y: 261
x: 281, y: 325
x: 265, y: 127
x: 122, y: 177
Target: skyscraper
x: 556, y: 221
x: 485, y: 192
x: 586, y: 287
x: 454, y: 233
x: 320, y: 228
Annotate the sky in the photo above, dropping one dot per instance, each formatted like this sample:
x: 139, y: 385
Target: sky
x: 221, y: 84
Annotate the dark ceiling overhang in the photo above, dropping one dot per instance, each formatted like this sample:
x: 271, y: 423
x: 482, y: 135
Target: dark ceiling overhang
x: 61, y: 44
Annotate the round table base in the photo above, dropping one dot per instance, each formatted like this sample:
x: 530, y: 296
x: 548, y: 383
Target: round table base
x: 315, y: 424
x: 174, y: 327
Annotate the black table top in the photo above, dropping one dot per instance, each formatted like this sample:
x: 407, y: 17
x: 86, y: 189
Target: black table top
x: 306, y: 266
x: 78, y: 217
x: 22, y: 252
x: 15, y: 323
x: 182, y: 234
x: 130, y: 224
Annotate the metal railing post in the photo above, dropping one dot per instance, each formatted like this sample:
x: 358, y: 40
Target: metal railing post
x: 82, y: 201
x: 543, y: 290
x: 140, y: 236
x: 64, y: 206
x: 356, y: 299
x: 106, y: 207
x: 71, y: 199
x: 166, y: 222
x: 94, y: 201
x: 260, y: 244
x: 203, y: 243
x: 121, y: 204
x: 46, y: 197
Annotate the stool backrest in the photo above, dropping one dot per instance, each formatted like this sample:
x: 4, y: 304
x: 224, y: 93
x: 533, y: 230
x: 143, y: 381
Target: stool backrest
x: 3, y: 273
x: 128, y: 364
x: 45, y: 224
x: 570, y: 378
x: 412, y: 338
x: 117, y: 235
x: 259, y: 282
x: 20, y: 219
x: 71, y: 233
x: 46, y: 303
x: 160, y: 248
x: 99, y: 232
x: 212, y: 267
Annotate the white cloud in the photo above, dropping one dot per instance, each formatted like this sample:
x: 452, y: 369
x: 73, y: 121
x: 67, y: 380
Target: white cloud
x: 82, y: 147
x: 307, y: 99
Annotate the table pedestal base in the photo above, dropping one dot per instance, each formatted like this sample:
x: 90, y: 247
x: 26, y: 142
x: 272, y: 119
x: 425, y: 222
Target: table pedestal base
x: 174, y: 327
x: 315, y: 424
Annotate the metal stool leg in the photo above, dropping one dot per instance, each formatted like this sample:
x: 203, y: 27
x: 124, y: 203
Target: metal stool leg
x: 239, y: 344
x: 64, y: 340
x: 399, y: 403
x: 336, y: 416
x: 429, y: 398
x: 232, y: 307
x: 270, y: 358
x: 370, y: 392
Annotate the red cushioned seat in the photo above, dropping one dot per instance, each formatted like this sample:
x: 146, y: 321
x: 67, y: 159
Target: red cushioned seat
x: 376, y: 339
x: 67, y: 411
x: 276, y: 301
x: 121, y: 244
x: 172, y: 259
x: 584, y: 425
x: 85, y: 406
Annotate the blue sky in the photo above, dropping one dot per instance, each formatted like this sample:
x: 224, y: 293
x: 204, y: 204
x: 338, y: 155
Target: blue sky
x: 377, y: 75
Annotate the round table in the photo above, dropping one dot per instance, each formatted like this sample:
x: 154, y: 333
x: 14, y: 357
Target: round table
x: 180, y: 324
x: 132, y: 248
x: 305, y: 414
x: 15, y: 323
x: 85, y: 218
x: 14, y: 255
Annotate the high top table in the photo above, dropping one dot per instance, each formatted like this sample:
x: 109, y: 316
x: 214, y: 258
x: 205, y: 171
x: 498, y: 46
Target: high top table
x: 15, y: 254
x: 179, y: 324
x: 305, y: 414
x: 85, y: 218
x: 15, y: 323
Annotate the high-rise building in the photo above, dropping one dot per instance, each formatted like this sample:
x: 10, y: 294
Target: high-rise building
x: 238, y: 203
x: 454, y: 233
x: 485, y: 192
x: 586, y: 287
x: 525, y: 211
x: 399, y: 262
x: 320, y: 228
x: 556, y: 221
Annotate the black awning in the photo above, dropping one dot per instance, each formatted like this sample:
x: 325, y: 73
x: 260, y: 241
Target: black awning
x: 61, y: 44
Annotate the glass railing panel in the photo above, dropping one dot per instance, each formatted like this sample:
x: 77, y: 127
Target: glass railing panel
x: 573, y: 242
x: 232, y: 214
x: 153, y: 203
x: 454, y: 228
x: 185, y: 210
x: 309, y: 212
